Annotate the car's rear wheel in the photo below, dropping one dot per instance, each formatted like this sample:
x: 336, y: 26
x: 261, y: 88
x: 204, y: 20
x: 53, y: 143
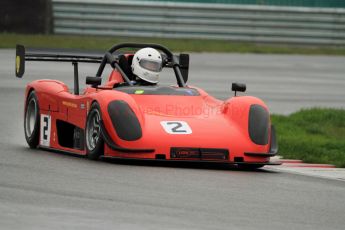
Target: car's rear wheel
x: 94, y: 139
x: 32, y: 120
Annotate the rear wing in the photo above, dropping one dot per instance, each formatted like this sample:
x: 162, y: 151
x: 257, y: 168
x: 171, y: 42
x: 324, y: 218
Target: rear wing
x: 23, y: 55
x: 35, y: 55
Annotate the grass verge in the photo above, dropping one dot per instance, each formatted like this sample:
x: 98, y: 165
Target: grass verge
x: 312, y: 135
x: 191, y: 45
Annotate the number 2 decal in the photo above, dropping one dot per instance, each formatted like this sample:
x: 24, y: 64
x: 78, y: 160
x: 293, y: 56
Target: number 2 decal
x: 45, y: 130
x: 176, y: 127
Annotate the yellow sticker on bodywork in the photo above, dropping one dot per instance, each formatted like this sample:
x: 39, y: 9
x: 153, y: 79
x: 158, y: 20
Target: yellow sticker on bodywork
x: 139, y: 91
x: 17, y: 64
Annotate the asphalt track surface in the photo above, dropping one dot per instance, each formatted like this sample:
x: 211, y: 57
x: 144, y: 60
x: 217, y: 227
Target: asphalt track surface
x: 47, y: 190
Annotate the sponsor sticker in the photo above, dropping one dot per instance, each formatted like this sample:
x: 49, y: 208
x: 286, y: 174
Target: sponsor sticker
x: 139, y: 91
x: 17, y: 64
x: 70, y: 104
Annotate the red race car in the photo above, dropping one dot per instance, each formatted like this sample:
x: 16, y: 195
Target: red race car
x: 121, y: 119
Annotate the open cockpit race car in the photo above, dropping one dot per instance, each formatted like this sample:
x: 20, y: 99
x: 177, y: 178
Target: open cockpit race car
x: 119, y: 119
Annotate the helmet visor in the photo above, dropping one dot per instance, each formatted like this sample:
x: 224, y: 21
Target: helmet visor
x: 150, y: 65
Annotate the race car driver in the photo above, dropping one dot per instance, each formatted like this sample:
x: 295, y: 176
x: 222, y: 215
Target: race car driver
x: 146, y: 66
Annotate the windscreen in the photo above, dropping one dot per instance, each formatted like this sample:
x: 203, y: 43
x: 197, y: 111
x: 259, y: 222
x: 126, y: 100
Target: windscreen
x: 158, y: 90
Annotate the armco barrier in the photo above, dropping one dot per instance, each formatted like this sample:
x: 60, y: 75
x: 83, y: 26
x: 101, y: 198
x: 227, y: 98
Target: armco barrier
x: 18, y: 16
x: 306, y: 3
x: 296, y: 25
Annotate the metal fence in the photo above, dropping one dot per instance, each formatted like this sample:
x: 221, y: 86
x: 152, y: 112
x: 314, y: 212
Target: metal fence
x: 296, y: 25
x: 306, y: 3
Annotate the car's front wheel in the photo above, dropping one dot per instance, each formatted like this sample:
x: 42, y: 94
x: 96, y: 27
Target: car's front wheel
x: 32, y: 120
x: 94, y: 139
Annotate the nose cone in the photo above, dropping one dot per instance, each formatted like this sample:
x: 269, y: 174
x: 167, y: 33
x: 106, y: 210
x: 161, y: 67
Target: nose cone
x: 198, y: 132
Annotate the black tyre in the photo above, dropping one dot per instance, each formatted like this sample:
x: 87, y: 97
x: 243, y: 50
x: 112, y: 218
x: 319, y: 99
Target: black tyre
x: 32, y: 120
x: 93, y: 137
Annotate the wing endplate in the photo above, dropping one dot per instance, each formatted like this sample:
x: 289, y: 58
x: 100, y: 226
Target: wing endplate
x: 20, y: 61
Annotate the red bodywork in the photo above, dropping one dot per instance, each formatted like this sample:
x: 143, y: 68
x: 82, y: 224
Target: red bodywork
x: 214, y: 124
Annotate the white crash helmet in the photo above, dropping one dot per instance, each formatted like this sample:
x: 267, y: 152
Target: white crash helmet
x: 147, y: 64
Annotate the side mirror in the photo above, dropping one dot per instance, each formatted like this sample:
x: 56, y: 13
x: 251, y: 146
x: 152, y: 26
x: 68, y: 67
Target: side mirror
x: 238, y: 87
x: 94, y: 81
